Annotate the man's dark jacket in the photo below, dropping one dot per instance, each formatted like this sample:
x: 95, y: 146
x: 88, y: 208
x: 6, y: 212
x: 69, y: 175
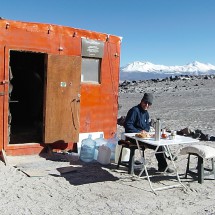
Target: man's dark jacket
x: 137, y: 120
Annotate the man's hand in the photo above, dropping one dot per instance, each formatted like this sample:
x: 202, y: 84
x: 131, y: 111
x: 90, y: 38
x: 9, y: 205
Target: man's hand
x: 143, y: 132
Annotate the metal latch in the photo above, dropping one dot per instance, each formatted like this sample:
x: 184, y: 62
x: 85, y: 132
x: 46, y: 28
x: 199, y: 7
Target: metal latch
x: 2, y: 93
x: 4, y: 82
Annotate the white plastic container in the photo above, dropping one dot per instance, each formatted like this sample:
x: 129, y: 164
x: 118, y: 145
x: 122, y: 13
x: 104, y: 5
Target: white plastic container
x: 125, y: 153
x: 104, y: 154
x: 83, y: 136
x: 112, y: 143
x: 87, y: 149
x: 99, y: 142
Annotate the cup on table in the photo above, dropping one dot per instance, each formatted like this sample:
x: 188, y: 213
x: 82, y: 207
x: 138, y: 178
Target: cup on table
x: 172, y: 135
x: 164, y: 134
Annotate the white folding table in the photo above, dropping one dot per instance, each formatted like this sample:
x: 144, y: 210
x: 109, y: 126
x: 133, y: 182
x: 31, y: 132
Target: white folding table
x: 165, y: 143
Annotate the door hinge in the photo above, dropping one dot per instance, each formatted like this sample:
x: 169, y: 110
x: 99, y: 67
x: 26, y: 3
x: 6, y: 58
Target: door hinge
x: 4, y: 82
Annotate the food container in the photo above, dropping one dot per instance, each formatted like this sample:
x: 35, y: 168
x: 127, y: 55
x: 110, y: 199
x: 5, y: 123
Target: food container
x: 172, y: 135
x: 104, y: 155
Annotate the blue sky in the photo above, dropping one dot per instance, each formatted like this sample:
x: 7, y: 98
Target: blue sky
x: 168, y: 32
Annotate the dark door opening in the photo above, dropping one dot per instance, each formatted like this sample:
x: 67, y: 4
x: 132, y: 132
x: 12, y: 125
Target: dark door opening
x: 26, y: 97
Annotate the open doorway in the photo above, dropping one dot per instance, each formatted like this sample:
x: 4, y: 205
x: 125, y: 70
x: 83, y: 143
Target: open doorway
x: 26, y: 97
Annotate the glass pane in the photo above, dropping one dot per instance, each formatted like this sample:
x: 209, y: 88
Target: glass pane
x: 90, y: 70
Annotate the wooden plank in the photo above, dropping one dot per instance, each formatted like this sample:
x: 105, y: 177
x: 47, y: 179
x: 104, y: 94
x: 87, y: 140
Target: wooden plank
x: 62, y: 102
x: 4, y: 157
x: 66, y: 169
x: 34, y: 172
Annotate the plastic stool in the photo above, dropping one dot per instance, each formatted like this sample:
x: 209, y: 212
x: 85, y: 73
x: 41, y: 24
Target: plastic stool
x: 130, y: 164
x: 201, y: 152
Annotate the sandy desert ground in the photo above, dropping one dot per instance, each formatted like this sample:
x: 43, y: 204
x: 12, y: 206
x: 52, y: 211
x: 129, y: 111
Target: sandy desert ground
x: 96, y: 189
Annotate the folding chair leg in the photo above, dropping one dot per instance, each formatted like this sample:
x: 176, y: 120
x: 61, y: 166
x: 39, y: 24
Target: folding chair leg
x: 120, y: 157
x: 213, y: 170
x: 188, y: 166
x: 200, y: 170
x: 131, y: 162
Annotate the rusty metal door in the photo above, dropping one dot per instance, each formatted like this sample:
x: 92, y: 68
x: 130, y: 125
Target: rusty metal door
x: 62, y: 102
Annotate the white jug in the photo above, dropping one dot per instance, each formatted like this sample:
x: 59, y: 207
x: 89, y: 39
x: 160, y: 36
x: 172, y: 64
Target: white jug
x: 104, y: 155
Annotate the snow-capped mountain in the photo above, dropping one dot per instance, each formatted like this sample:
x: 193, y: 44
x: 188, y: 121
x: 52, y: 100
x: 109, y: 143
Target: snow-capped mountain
x: 146, y: 70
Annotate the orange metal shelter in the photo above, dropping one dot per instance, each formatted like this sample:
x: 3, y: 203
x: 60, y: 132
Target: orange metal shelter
x: 55, y: 83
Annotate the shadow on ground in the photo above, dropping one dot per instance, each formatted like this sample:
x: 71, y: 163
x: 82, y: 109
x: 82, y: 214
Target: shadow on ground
x: 85, y: 173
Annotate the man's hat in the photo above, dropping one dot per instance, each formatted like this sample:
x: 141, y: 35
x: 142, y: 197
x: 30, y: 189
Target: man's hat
x: 148, y: 97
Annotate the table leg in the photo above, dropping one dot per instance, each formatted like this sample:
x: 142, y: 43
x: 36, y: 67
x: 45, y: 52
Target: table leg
x: 145, y: 167
x: 167, y: 150
x: 173, y: 163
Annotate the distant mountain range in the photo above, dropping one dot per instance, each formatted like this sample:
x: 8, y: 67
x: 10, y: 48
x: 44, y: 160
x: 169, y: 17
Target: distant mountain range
x: 146, y: 70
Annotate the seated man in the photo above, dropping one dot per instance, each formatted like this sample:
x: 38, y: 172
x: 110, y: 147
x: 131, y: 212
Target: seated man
x: 137, y: 120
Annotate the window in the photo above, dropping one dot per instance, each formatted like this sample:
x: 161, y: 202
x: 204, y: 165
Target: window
x: 92, y: 53
x: 91, y: 70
